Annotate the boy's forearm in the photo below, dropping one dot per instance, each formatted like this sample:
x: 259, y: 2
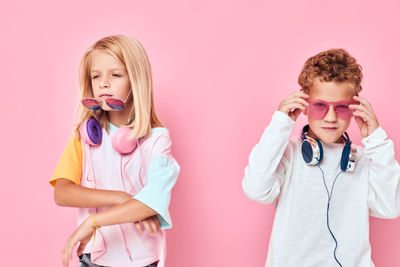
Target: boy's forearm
x: 68, y: 194
x: 383, y: 175
x: 267, y: 161
x: 269, y: 151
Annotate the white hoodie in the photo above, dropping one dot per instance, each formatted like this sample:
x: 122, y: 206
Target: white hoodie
x: 300, y: 236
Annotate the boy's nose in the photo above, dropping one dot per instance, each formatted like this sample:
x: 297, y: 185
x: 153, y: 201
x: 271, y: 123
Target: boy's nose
x: 331, y: 115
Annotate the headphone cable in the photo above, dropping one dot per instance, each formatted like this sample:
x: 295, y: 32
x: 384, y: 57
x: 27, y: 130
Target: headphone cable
x: 327, y: 210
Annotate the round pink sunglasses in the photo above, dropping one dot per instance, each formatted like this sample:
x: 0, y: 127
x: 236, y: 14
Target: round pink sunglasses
x: 114, y: 103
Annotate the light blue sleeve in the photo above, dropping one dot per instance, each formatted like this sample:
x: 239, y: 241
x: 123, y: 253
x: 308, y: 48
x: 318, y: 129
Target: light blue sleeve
x: 162, y: 174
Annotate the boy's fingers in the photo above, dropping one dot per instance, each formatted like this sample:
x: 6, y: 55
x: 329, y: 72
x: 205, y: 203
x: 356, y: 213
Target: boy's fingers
x: 297, y: 94
x: 362, y: 109
x: 363, y: 102
x: 295, y: 114
x: 299, y: 100
x: 359, y: 121
x: 362, y: 115
x: 294, y: 106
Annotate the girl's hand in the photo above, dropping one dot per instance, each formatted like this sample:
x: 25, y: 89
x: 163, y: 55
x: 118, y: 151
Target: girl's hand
x: 151, y: 224
x: 294, y: 104
x: 82, y: 234
x: 364, y: 116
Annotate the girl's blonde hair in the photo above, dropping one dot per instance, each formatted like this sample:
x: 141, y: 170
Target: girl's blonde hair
x: 143, y: 115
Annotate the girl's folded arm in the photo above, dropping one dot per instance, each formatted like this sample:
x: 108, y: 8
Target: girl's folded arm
x: 69, y: 194
x: 152, y: 200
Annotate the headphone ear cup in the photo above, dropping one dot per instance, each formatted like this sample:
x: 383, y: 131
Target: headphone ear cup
x: 344, y: 161
x: 312, y: 152
x: 121, y: 141
x: 306, y: 151
x: 321, y: 151
x: 91, y: 132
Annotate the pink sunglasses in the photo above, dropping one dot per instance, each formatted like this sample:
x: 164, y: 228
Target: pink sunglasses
x: 114, y: 103
x: 319, y: 108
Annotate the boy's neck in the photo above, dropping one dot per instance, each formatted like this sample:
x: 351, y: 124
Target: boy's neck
x: 312, y: 135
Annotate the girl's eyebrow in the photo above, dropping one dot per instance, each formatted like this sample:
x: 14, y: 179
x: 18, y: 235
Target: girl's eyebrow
x: 113, y: 69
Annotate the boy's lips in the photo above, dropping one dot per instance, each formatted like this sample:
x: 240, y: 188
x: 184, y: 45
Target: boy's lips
x: 329, y: 128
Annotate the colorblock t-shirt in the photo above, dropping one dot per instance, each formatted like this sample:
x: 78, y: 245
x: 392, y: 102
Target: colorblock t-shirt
x: 70, y: 164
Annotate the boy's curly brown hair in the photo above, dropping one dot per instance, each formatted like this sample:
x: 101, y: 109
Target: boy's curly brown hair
x: 331, y: 65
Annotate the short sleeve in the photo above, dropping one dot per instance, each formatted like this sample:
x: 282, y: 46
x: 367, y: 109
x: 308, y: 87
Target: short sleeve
x: 70, y: 164
x: 162, y: 173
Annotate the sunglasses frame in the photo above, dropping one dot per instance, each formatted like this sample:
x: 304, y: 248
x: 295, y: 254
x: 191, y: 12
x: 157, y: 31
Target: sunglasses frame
x: 335, y: 105
x: 100, y: 102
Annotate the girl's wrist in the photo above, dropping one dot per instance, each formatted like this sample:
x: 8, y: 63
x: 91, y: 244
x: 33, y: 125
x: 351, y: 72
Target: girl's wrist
x: 89, y: 223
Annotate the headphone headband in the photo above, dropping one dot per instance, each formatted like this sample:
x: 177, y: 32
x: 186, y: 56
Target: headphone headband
x: 312, y: 150
x: 306, y: 129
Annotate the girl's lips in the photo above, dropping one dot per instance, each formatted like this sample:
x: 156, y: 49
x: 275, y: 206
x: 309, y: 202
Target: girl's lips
x: 105, y: 95
x: 329, y: 128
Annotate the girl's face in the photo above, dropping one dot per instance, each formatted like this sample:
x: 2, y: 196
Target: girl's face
x: 109, y: 78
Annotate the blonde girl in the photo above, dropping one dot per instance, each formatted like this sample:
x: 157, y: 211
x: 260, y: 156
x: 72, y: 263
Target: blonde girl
x: 117, y: 167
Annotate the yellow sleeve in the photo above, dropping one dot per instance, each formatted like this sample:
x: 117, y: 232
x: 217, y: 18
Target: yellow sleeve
x: 70, y: 165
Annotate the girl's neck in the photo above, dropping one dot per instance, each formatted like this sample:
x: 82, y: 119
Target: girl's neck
x: 118, y: 118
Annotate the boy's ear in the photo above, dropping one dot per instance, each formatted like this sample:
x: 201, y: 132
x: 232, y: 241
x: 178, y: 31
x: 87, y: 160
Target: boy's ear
x: 304, y: 91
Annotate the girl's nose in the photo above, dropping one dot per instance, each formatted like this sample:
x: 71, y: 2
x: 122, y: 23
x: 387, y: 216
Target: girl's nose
x: 104, y: 83
x: 331, y: 115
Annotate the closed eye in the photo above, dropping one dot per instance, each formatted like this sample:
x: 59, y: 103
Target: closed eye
x: 319, y: 105
x: 342, y: 107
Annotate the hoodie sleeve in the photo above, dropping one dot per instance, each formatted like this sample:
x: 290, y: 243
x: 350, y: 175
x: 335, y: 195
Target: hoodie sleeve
x: 269, y: 161
x: 383, y: 175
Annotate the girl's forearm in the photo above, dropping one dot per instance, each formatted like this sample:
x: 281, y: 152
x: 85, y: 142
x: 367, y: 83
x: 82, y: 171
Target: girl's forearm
x: 68, y: 194
x: 130, y: 211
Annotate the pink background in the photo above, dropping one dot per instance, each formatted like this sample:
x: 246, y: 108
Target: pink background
x: 220, y: 70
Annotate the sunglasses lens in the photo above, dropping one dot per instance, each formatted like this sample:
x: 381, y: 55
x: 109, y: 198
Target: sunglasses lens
x: 115, y: 104
x: 317, y: 110
x: 344, y: 112
x: 91, y: 104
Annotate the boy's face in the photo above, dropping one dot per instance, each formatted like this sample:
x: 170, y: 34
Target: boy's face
x: 331, y: 127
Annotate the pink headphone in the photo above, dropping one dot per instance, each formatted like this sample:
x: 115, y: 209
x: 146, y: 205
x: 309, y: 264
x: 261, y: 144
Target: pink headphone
x: 91, y: 134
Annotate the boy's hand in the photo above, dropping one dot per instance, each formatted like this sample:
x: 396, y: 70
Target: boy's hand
x: 294, y: 104
x: 364, y: 116
x: 151, y: 224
